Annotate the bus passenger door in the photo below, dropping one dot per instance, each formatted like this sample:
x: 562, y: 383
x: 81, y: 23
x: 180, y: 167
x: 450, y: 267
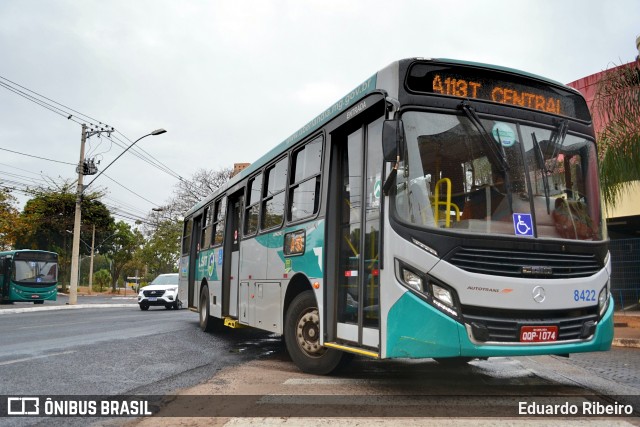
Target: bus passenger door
x: 232, y: 246
x: 194, y: 288
x: 358, y: 230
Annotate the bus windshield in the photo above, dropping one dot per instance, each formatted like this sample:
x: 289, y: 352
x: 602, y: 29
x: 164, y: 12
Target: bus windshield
x: 497, y: 177
x: 35, y: 271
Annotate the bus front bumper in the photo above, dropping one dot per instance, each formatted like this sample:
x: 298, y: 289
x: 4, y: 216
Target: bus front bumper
x: 417, y: 330
x: 30, y: 295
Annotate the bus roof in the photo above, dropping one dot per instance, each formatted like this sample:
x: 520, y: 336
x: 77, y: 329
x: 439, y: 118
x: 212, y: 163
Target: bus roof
x: 365, y: 88
x: 17, y: 251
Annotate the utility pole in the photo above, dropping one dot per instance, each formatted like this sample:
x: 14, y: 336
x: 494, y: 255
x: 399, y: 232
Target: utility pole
x: 84, y: 168
x: 75, y: 250
x: 88, y: 168
x: 93, y: 244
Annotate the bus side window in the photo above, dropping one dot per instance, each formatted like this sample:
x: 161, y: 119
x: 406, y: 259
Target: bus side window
x: 304, y: 188
x: 186, y: 236
x: 253, y: 206
x: 205, y: 234
x: 218, y: 222
x: 273, y: 204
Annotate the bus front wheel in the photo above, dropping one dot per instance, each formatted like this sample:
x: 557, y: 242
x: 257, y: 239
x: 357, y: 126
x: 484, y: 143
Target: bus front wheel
x: 302, y: 338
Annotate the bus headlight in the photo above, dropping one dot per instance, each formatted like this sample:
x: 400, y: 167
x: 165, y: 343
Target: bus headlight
x: 603, y: 299
x: 412, y: 279
x: 442, y: 294
x: 431, y: 290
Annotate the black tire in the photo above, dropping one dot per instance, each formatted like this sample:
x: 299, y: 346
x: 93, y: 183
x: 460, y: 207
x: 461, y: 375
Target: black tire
x: 144, y: 306
x: 453, y: 361
x: 208, y: 323
x: 177, y: 305
x: 302, y: 338
x: 168, y: 306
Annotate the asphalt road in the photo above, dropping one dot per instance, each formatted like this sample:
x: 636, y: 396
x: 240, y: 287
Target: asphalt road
x: 125, y: 351
x: 115, y: 351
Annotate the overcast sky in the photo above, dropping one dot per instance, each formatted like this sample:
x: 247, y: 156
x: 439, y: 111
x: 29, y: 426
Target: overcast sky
x: 228, y: 80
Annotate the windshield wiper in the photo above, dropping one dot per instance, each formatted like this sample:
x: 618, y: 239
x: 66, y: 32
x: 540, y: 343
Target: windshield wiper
x: 498, y: 156
x: 543, y: 170
x: 558, y: 136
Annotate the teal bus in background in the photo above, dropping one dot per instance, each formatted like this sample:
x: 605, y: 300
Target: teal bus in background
x: 28, y: 276
x: 442, y: 209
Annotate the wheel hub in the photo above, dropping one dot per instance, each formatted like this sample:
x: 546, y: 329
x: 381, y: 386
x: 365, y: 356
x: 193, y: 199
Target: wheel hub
x: 308, y: 333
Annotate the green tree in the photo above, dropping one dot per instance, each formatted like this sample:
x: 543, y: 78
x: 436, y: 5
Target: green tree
x: 161, y: 252
x: 617, y: 106
x: 124, y: 245
x: 49, y: 218
x: 101, y: 279
x: 10, y: 223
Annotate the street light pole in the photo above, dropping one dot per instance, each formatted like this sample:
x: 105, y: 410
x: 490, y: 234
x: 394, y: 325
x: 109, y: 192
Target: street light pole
x: 75, y: 251
x: 154, y: 133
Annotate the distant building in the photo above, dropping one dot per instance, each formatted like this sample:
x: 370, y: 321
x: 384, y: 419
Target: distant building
x: 623, y: 221
x: 238, y: 167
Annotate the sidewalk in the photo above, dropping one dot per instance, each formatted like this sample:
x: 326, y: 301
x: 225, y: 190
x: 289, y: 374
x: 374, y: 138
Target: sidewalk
x: 626, y: 331
x: 105, y: 300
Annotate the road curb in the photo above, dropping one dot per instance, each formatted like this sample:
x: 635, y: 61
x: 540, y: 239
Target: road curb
x: 63, y: 307
x: 626, y: 342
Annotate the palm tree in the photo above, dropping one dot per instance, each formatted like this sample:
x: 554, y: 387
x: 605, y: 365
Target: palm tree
x: 617, y: 106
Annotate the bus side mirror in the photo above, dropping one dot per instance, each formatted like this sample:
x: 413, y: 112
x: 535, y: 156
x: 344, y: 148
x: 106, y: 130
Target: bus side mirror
x: 392, y: 139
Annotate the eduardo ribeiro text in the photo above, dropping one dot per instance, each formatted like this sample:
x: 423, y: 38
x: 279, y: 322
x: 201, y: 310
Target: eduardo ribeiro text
x: 587, y: 408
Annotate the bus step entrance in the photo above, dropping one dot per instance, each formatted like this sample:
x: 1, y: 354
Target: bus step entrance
x: 354, y: 350
x: 233, y: 323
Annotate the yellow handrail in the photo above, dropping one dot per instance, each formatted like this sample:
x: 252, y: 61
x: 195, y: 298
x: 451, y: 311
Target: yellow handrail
x: 447, y: 205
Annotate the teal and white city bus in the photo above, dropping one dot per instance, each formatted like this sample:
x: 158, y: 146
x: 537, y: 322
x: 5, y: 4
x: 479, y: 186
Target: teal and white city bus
x: 28, y: 275
x: 442, y: 209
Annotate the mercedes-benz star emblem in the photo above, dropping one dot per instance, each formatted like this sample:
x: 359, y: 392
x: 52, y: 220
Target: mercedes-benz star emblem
x: 539, y: 294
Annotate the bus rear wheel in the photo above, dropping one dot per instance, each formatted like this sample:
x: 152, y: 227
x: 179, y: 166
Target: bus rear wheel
x: 302, y: 338
x: 208, y: 323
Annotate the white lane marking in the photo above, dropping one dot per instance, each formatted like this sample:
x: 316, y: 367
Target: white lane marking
x: 26, y: 359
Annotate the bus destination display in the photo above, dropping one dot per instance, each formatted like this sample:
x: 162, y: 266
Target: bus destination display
x: 499, y: 87
x: 448, y: 85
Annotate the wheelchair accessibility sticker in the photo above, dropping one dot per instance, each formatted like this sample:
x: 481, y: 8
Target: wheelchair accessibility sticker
x: 522, y: 224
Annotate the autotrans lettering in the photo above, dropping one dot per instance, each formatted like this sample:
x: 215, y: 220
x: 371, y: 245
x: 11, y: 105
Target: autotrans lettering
x: 447, y: 85
x: 493, y: 290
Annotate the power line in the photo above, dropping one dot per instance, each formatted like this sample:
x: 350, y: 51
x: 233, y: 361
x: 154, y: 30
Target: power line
x: 79, y: 118
x: 48, y: 99
x: 66, y: 111
x: 15, y: 175
x: 131, y: 191
x: 41, y: 103
x: 136, y: 151
x: 38, y: 157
